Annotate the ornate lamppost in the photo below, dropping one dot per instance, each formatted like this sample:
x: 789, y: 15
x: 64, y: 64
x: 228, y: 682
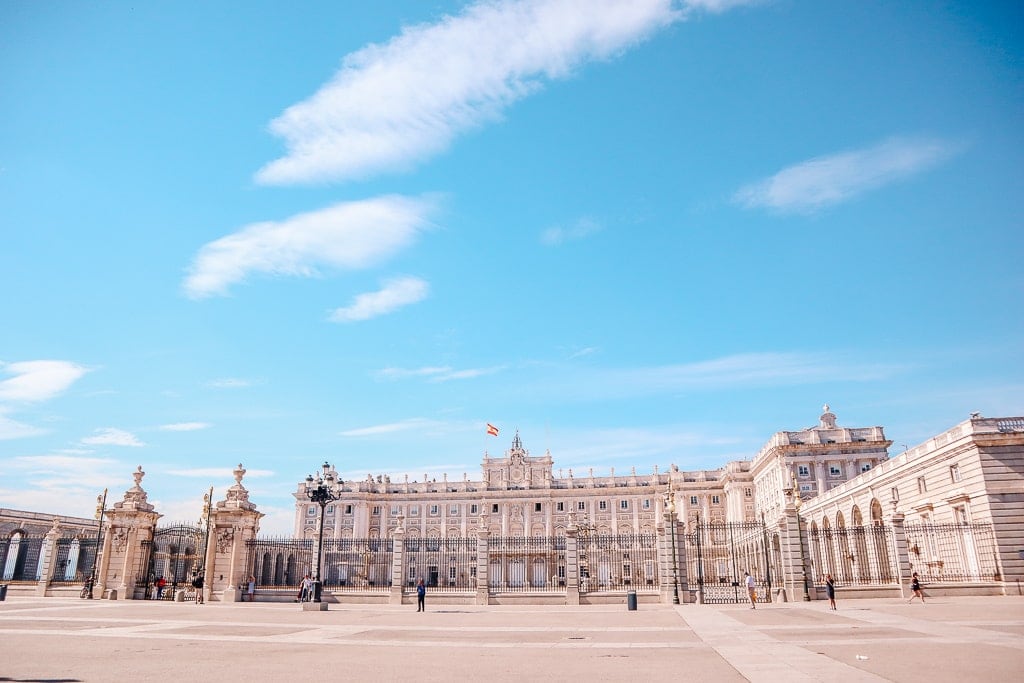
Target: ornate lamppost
x: 670, y: 517
x: 101, y: 508
x: 798, y: 502
x: 204, y: 524
x: 323, y: 489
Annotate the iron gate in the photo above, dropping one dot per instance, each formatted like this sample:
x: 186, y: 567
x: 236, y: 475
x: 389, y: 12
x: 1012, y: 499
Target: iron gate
x: 720, y: 554
x: 176, y: 554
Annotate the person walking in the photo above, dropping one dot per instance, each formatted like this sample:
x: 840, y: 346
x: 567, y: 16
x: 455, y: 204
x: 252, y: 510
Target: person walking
x: 915, y: 585
x: 160, y: 583
x: 197, y: 584
x: 250, y: 589
x: 421, y: 596
x: 307, y: 589
x: 830, y: 587
x: 751, y: 590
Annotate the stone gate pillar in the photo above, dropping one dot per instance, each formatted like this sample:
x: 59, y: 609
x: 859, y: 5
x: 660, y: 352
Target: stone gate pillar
x: 483, y: 563
x: 572, y: 564
x: 127, y: 543
x: 901, y: 550
x: 233, y: 523
x: 397, y: 562
x: 47, y: 557
x: 794, y: 553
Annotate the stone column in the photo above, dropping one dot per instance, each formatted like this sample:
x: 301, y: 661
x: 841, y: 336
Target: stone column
x: 46, y: 558
x: 794, y: 553
x: 397, y: 563
x: 131, y: 524
x: 680, y: 561
x: 483, y: 563
x: 233, y: 523
x: 572, y: 565
x: 901, y: 550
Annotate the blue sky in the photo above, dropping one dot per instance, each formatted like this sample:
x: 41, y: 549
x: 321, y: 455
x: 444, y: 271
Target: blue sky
x: 640, y: 233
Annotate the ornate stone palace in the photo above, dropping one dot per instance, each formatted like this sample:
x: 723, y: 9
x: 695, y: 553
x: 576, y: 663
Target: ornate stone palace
x: 520, y: 496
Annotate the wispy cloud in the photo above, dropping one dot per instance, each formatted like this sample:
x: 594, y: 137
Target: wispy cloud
x: 717, y: 6
x: 185, y: 426
x: 393, y: 104
x: 582, y: 352
x: 12, y: 429
x: 410, y: 424
x: 827, y: 180
x: 346, y: 236
x: 218, y: 473
x: 394, y: 295
x: 38, y: 380
x: 555, y: 236
x: 230, y: 383
x: 68, y: 484
x: 438, y: 373
x: 111, y: 436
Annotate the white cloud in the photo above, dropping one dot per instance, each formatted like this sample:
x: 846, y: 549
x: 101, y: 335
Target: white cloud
x: 38, y: 380
x: 717, y: 6
x: 11, y: 429
x: 230, y: 383
x: 394, y: 295
x: 225, y: 473
x: 184, y: 426
x: 827, y: 180
x: 349, y: 235
x: 111, y: 436
x: 438, y: 373
x: 397, y: 103
x: 584, y: 227
x: 413, y: 423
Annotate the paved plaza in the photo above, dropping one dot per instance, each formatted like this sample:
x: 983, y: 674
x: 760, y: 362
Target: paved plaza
x: 947, y: 639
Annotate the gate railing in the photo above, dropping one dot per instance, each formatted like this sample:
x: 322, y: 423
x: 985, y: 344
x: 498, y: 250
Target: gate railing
x: 953, y: 553
x: 522, y: 564
x: 349, y: 564
x: 446, y: 565
x: 854, y: 556
x: 719, y: 554
x: 616, y: 562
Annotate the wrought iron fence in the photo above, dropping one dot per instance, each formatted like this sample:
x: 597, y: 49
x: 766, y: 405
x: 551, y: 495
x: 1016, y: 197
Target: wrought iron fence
x: 611, y: 562
x: 72, y: 560
x: 21, y: 557
x: 523, y: 564
x: 444, y: 564
x: 854, y: 556
x: 953, y: 553
x: 349, y: 564
x: 720, y: 554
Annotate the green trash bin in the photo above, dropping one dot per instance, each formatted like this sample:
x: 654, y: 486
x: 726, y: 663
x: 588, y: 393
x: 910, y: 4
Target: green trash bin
x: 3, y: 592
x: 631, y: 601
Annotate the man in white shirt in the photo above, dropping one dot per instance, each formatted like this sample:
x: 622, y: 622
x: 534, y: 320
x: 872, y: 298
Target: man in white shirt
x: 751, y: 590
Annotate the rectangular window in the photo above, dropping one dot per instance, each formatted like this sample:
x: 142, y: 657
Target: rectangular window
x: 560, y: 506
x: 414, y: 510
x: 451, y: 572
x: 922, y: 487
x: 693, y: 500
x: 835, y: 471
x: 348, y: 509
x: 473, y: 509
x: 747, y: 493
x: 602, y: 505
x: 494, y: 508
x: 435, y: 510
x: 453, y: 510
x: 412, y: 572
x: 536, y: 507
x: 714, y: 500
x: 647, y: 504
x: 623, y: 504
x: 954, y: 473
x: 865, y: 467
x: 311, y: 512
x: 582, y: 505
x: 803, y: 471
x: 894, y: 494
x: 376, y: 509
x: 396, y: 510
x: 330, y: 509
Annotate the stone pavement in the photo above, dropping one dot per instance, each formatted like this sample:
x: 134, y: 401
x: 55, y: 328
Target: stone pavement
x: 946, y: 639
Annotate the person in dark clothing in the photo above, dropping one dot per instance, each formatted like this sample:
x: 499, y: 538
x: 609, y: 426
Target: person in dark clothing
x: 915, y: 585
x: 421, y: 595
x: 830, y: 587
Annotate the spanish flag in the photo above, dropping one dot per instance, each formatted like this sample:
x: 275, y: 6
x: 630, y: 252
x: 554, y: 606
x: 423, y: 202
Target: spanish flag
x: 491, y: 429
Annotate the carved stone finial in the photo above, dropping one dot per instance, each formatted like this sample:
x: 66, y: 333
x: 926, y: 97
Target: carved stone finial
x: 138, y: 475
x: 239, y: 473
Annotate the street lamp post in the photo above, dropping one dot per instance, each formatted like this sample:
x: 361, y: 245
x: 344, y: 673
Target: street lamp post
x: 670, y: 517
x: 700, y: 563
x: 204, y: 523
x: 101, y: 508
x: 324, y: 489
x: 798, y: 502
